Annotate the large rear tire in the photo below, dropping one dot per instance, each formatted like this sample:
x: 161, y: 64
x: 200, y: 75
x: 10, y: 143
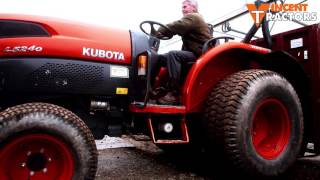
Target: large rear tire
x: 45, y: 141
x: 255, y: 117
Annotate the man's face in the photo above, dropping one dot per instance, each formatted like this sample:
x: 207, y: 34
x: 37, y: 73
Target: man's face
x: 187, y: 8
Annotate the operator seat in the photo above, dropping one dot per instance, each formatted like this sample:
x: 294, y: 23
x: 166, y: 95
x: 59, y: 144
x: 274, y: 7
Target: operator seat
x: 211, y: 43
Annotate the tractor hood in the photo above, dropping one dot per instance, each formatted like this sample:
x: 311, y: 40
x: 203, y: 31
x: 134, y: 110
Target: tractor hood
x: 22, y: 35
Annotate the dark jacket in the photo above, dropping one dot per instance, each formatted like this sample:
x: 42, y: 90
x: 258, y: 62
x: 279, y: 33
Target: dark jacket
x: 193, y: 30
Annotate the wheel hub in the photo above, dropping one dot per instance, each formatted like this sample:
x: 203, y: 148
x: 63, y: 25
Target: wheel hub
x: 39, y: 156
x: 36, y: 162
x: 270, y: 131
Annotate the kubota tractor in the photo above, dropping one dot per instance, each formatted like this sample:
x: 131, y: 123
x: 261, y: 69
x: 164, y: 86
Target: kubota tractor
x: 64, y: 83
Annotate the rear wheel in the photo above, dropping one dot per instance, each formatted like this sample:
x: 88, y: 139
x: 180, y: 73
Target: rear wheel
x: 255, y: 117
x: 44, y: 141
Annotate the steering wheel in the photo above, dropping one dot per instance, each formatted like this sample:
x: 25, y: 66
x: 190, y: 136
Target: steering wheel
x: 153, y: 31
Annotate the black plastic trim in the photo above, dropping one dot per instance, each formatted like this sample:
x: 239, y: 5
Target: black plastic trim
x: 60, y: 76
x: 13, y: 29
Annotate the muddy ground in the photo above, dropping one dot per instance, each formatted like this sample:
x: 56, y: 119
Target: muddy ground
x: 146, y: 161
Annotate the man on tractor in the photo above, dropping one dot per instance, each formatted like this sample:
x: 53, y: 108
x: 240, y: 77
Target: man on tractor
x: 194, y: 32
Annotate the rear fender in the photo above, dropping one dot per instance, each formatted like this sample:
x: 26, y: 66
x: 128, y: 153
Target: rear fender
x: 300, y: 78
x: 214, y: 66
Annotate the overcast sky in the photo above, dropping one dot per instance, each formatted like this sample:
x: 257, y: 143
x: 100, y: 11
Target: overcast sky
x: 119, y: 13
x: 128, y: 14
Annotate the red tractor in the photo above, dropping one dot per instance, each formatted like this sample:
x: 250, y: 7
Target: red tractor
x: 62, y: 84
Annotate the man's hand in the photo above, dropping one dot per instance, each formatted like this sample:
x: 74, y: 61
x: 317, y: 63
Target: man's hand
x: 159, y: 35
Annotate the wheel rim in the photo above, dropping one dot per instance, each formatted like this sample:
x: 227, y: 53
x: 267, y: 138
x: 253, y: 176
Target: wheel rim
x: 270, y: 131
x: 35, y: 157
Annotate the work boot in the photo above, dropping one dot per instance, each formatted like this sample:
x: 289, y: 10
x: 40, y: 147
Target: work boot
x: 170, y: 98
x: 158, y: 92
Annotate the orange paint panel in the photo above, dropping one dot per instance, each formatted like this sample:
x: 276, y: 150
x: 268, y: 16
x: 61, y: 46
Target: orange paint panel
x: 69, y: 39
x: 161, y: 109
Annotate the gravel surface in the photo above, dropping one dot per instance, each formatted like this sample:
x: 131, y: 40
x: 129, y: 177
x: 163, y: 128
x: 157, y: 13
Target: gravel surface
x: 146, y: 161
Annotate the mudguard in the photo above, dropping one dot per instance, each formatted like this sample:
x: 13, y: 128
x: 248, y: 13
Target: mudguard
x: 213, y: 66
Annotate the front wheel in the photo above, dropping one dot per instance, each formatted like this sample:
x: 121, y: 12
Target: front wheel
x: 44, y: 141
x: 255, y: 117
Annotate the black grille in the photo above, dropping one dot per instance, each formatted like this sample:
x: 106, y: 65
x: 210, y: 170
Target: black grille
x: 68, y: 76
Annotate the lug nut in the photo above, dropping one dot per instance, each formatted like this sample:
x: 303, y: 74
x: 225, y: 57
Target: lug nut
x: 44, y: 170
x: 23, y: 165
x: 28, y: 153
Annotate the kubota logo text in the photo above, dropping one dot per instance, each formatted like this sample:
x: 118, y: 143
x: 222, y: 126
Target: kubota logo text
x: 281, y: 12
x: 103, y: 54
